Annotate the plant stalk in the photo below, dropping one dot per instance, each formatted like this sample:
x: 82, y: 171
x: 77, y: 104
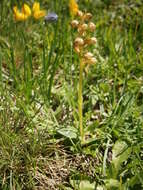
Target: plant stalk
x: 80, y: 101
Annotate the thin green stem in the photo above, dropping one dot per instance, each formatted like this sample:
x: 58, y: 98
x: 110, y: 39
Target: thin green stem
x: 80, y: 101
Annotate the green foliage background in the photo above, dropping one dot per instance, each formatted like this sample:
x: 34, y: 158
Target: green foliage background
x: 38, y: 100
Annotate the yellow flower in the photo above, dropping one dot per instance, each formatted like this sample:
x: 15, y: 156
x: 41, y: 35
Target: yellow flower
x: 36, y: 7
x: 73, y: 7
x: 26, y: 10
x: 37, y: 13
x: 19, y: 16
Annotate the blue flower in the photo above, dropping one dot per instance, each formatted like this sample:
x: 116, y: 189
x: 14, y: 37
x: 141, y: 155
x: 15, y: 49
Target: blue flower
x: 51, y: 17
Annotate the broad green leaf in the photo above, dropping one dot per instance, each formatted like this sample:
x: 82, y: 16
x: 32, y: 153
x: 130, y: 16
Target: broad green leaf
x: 67, y: 188
x: 121, y: 152
x: 82, y: 185
x: 99, y: 187
x: 112, y: 183
x: 69, y: 132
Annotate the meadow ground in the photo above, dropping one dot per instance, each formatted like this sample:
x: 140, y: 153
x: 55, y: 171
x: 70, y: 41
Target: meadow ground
x: 40, y: 144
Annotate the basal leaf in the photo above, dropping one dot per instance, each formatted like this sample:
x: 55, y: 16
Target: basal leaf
x: 82, y: 185
x: 121, y: 152
x: 69, y: 132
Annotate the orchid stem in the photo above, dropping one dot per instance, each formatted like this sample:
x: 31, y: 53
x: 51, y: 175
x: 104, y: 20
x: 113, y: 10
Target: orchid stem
x: 80, y: 101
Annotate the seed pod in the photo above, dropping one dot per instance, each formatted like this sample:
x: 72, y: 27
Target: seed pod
x: 91, y: 26
x: 79, y: 42
x: 74, y: 23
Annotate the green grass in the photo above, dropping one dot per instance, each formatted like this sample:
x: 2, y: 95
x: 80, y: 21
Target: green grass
x: 39, y: 138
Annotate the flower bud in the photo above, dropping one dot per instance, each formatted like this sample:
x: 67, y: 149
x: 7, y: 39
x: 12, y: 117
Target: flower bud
x: 80, y: 13
x: 93, y: 40
x: 92, y: 60
x: 84, y: 27
x: 74, y: 23
x: 79, y: 42
x: 90, y: 41
x: 87, y: 16
x: 89, y: 59
x: 88, y: 55
x: 77, y: 50
x: 91, y: 26
x: 81, y: 32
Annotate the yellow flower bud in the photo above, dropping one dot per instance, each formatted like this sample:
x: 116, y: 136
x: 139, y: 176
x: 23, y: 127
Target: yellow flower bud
x: 91, y: 26
x: 74, y: 23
